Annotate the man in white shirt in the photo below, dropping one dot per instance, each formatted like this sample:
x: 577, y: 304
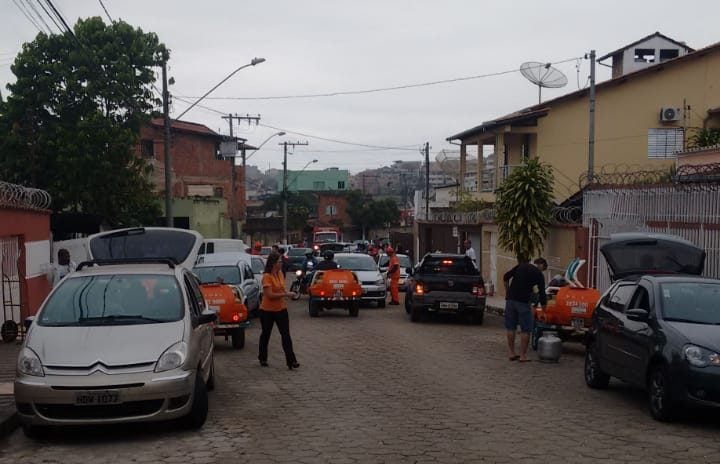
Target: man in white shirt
x: 63, y: 267
x: 470, y: 251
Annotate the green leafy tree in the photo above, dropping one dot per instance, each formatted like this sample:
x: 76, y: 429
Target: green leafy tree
x: 368, y: 213
x: 300, y: 205
x: 704, y: 137
x: 523, y: 209
x: 71, y: 122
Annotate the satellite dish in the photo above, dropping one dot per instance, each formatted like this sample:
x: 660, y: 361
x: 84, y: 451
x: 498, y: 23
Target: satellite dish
x: 543, y: 75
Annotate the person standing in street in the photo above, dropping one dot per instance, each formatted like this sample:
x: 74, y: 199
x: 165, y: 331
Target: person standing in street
x: 63, y: 267
x: 520, y: 282
x: 394, y: 275
x: 273, y: 310
x: 470, y: 251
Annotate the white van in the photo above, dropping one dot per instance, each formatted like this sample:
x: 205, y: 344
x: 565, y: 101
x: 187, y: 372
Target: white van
x: 222, y: 245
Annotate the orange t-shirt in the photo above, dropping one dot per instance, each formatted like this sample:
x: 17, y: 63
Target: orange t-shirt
x: 276, y: 282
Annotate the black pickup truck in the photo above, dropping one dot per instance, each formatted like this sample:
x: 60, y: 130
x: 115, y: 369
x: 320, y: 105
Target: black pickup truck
x: 445, y: 283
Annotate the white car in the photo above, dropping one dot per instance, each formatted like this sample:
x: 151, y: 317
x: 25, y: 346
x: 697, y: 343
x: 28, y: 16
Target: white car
x: 373, y: 283
x: 405, y: 264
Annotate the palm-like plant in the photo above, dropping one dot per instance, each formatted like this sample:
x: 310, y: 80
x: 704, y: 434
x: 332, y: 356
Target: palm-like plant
x: 523, y: 209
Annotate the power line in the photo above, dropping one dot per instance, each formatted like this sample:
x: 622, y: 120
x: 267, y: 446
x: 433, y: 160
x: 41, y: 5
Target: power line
x: 60, y: 17
x: 38, y: 15
x: 343, y: 142
x: 25, y: 13
x: 51, y: 16
x: 384, y: 89
x: 106, y: 11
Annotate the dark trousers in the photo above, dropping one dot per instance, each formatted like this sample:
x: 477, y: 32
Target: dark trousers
x: 267, y: 320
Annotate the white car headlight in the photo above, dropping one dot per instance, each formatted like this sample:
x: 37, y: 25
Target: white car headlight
x: 700, y: 357
x: 29, y: 363
x: 172, y: 358
x: 380, y: 281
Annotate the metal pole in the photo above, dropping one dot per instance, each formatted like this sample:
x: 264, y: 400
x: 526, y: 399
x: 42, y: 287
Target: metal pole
x: 244, y: 184
x: 233, y: 188
x: 591, y: 132
x: 427, y: 181
x: 284, y: 192
x: 166, y: 149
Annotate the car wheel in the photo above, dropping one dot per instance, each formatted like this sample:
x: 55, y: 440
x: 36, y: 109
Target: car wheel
x: 662, y: 407
x: 594, y: 376
x: 415, y: 314
x: 35, y: 432
x: 199, y: 409
x: 381, y: 303
x: 354, y: 309
x: 313, y: 308
x: 238, y: 339
x: 210, y: 384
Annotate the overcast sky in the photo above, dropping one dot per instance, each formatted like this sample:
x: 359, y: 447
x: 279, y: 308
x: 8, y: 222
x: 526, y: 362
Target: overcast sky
x: 337, y: 45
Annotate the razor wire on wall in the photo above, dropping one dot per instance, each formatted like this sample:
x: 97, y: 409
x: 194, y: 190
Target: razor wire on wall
x: 23, y: 197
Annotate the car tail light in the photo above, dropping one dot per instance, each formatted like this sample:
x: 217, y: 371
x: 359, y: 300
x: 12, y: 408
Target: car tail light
x: 322, y: 292
x: 419, y: 289
x: 236, y: 317
x: 478, y: 290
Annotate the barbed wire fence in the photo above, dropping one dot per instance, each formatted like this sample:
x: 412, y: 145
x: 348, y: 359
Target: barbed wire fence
x: 18, y: 196
x: 704, y: 177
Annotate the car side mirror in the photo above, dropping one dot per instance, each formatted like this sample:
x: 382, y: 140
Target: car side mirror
x: 28, y: 322
x: 207, y: 317
x: 637, y: 315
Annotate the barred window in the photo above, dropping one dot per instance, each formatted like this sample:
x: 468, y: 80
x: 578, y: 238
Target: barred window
x: 665, y: 142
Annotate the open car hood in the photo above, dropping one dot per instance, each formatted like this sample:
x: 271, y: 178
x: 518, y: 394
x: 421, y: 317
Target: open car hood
x: 180, y: 245
x: 630, y: 254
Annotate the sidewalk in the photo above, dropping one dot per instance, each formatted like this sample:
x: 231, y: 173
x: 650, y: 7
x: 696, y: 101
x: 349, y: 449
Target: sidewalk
x: 8, y: 358
x: 495, y: 305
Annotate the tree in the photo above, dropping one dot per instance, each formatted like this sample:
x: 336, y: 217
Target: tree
x: 368, y: 213
x: 523, y: 209
x: 300, y: 205
x: 72, y: 120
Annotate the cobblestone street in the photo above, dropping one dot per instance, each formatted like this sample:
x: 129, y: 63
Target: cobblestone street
x: 382, y: 389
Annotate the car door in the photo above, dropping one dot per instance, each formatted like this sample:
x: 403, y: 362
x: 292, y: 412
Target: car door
x: 610, y: 322
x: 202, y: 338
x: 637, y: 336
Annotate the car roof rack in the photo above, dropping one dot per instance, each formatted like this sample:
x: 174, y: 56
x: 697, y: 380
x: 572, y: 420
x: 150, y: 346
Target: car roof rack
x: 115, y: 262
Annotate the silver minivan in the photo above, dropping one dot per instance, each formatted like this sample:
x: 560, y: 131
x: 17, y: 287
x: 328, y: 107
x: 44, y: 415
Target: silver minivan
x: 125, y: 338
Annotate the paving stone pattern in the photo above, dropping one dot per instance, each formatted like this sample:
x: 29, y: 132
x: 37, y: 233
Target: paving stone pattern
x: 382, y: 389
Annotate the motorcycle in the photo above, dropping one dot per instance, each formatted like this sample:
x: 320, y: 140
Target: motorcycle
x: 300, y: 286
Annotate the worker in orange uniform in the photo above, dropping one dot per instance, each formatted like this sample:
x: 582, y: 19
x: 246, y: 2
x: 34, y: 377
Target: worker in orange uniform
x: 394, y: 275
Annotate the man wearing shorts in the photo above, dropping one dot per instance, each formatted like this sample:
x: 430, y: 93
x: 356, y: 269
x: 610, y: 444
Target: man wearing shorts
x: 519, y: 284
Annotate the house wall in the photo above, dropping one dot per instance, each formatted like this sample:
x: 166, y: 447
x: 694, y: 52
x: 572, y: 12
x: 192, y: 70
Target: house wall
x: 341, y: 213
x: 331, y: 179
x: 624, y: 113
x: 207, y: 215
x: 657, y: 43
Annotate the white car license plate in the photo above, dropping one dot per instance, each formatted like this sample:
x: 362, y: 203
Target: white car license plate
x: 99, y: 397
x: 445, y: 305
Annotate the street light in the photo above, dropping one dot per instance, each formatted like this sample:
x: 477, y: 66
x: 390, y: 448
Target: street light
x: 168, y: 122
x: 279, y: 134
x: 285, y: 191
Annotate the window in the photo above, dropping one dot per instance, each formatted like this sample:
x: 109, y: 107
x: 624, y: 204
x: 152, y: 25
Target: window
x: 319, y: 185
x: 644, y: 55
x: 218, y: 192
x: 640, y: 300
x: 147, y: 148
x: 341, y: 185
x: 665, y: 142
x: 668, y: 54
x: 330, y: 210
x: 619, y: 298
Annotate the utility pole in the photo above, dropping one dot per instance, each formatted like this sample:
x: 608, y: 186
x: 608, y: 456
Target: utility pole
x: 591, y: 132
x: 166, y: 149
x: 285, y: 185
x: 427, y: 181
x: 233, y: 174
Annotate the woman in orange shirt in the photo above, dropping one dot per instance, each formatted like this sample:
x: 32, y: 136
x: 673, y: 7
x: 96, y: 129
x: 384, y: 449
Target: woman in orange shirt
x: 273, y: 310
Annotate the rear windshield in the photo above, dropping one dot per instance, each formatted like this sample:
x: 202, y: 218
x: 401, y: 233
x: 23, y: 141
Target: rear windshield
x: 326, y: 237
x: 218, y: 274
x: 460, y: 265
x: 691, y: 302
x: 356, y: 262
x: 144, y: 243
x: 404, y: 261
x: 114, y: 300
x: 258, y: 266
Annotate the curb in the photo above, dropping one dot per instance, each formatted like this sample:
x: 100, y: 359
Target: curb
x: 497, y: 310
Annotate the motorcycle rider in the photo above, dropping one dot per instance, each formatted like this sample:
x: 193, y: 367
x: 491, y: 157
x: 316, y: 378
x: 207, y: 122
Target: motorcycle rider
x: 328, y: 262
x: 308, y: 266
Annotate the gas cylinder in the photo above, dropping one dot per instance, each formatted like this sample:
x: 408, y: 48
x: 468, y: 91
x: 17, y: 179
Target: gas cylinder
x: 549, y: 347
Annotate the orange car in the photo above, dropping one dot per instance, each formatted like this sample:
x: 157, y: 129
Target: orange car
x: 232, y: 319
x: 334, y: 288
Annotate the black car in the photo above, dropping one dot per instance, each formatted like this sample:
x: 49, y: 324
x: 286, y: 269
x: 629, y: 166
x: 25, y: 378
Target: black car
x: 658, y: 325
x: 296, y: 257
x: 445, y: 283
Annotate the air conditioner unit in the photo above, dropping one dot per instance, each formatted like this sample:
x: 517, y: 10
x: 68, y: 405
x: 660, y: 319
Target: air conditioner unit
x: 669, y: 114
